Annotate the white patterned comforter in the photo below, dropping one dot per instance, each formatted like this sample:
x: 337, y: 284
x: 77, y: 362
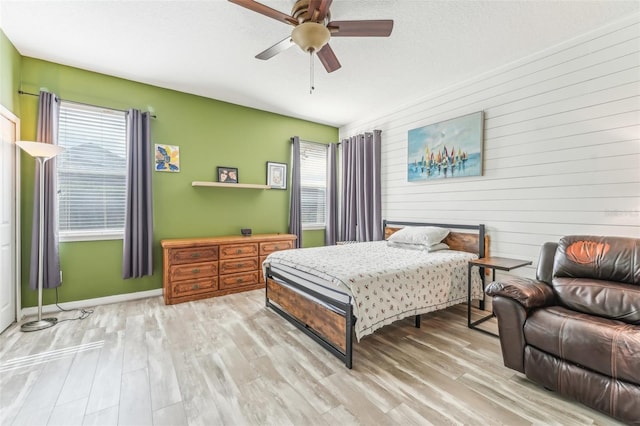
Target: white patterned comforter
x: 387, y: 283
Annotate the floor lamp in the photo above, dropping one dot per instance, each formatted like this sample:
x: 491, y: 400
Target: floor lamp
x: 41, y: 152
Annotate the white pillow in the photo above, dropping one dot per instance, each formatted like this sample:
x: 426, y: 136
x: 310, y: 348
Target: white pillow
x: 425, y: 235
x: 435, y: 247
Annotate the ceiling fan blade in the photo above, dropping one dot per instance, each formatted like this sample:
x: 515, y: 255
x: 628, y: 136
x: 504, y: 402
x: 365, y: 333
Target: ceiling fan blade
x: 266, y: 11
x: 328, y: 58
x: 375, y: 28
x: 275, y: 49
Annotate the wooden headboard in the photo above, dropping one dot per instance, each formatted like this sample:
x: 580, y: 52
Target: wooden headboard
x: 463, y: 241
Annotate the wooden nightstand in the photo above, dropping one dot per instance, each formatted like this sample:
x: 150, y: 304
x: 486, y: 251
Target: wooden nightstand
x: 501, y: 263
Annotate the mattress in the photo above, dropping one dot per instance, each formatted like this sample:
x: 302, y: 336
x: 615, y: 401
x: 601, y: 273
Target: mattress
x: 383, y: 283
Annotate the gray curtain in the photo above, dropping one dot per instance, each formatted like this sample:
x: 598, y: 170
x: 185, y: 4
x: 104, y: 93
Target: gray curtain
x: 331, y: 231
x: 295, y: 209
x: 347, y: 228
x: 137, y: 259
x: 47, y: 131
x: 361, y: 212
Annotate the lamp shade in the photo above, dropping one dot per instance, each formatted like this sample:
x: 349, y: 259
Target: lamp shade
x: 40, y: 149
x: 310, y: 36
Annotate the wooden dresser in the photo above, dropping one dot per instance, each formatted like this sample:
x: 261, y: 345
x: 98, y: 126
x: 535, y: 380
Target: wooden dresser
x: 197, y: 268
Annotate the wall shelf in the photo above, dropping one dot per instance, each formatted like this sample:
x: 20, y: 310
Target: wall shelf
x: 230, y: 185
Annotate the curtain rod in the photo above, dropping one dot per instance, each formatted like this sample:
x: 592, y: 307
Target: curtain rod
x: 22, y: 92
x: 318, y: 143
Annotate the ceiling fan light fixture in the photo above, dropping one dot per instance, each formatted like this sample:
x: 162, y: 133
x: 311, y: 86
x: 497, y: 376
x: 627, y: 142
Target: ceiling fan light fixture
x: 310, y: 36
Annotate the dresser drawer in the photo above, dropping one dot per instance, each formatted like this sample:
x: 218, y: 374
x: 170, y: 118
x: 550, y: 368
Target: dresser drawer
x: 195, y: 254
x: 238, y: 280
x: 186, y: 288
x: 270, y: 247
x: 193, y: 271
x: 231, y: 251
x: 232, y: 266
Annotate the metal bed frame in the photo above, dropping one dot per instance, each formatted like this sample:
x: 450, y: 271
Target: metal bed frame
x: 330, y: 322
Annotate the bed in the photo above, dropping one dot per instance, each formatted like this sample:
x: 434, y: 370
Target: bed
x: 333, y: 293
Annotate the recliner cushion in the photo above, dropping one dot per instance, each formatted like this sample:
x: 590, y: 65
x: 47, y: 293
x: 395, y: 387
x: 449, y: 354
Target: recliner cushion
x: 600, y: 258
x: 599, y: 275
x: 607, y: 299
x: 606, y: 346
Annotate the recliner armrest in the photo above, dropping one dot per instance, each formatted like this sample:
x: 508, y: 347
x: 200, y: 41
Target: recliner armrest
x: 528, y: 292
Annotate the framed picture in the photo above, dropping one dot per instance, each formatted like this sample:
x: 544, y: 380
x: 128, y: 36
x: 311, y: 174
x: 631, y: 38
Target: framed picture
x: 276, y: 175
x: 167, y: 158
x: 228, y: 174
x: 445, y: 150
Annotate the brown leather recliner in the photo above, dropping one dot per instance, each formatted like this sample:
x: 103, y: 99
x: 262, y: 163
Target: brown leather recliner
x: 576, y: 329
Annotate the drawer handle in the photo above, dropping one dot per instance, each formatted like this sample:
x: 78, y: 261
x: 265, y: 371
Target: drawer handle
x: 195, y: 255
x: 238, y: 251
x: 239, y: 280
x: 195, y: 287
x: 195, y: 270
x: 239, y: 265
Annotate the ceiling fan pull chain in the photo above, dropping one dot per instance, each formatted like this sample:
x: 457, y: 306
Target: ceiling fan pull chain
x: 311, y: 88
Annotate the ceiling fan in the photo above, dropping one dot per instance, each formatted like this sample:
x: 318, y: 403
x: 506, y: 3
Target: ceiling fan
x: 313, y: 28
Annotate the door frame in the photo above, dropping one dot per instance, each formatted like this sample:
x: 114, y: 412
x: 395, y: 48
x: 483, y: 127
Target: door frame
x: 5, y: 112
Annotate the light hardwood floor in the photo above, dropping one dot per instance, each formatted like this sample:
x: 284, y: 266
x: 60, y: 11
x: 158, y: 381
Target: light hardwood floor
x: 230, y: 361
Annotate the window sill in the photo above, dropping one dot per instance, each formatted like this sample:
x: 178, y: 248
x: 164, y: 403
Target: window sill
x: 69, y: 238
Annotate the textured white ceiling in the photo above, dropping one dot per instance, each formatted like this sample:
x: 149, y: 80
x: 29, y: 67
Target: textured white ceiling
x: 207, y: 47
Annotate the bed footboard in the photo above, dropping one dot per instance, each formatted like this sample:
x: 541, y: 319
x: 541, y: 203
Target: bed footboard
x: 328, y: 322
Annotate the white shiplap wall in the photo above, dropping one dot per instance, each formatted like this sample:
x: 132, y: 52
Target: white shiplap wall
x: 561, y: 146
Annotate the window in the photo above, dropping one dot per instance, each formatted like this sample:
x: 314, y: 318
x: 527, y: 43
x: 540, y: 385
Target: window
x: 313, y: 184
x: 91, y: 172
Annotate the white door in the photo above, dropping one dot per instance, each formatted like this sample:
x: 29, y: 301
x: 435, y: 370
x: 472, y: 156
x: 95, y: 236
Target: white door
x: 8, y: 243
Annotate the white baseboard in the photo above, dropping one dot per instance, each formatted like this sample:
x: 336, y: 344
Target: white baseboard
x: 78, y: 304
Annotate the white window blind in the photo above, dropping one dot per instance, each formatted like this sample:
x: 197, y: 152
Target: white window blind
x: 91, y: 172
x: 313, y: 177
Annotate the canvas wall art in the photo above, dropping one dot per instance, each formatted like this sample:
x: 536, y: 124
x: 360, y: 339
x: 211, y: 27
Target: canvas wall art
x: 167, y: 158
x: 448, y: 149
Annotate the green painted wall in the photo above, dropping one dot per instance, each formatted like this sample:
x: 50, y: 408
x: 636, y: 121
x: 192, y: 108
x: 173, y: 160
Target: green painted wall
x: 10, y: 62
x: 209, y: 133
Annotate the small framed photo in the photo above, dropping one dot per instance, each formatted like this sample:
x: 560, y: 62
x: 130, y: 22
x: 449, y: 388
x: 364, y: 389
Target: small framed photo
x: 228, y: 174
x: 277, y: 175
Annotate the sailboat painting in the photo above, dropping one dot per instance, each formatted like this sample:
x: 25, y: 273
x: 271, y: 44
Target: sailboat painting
x: 448, y: 149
